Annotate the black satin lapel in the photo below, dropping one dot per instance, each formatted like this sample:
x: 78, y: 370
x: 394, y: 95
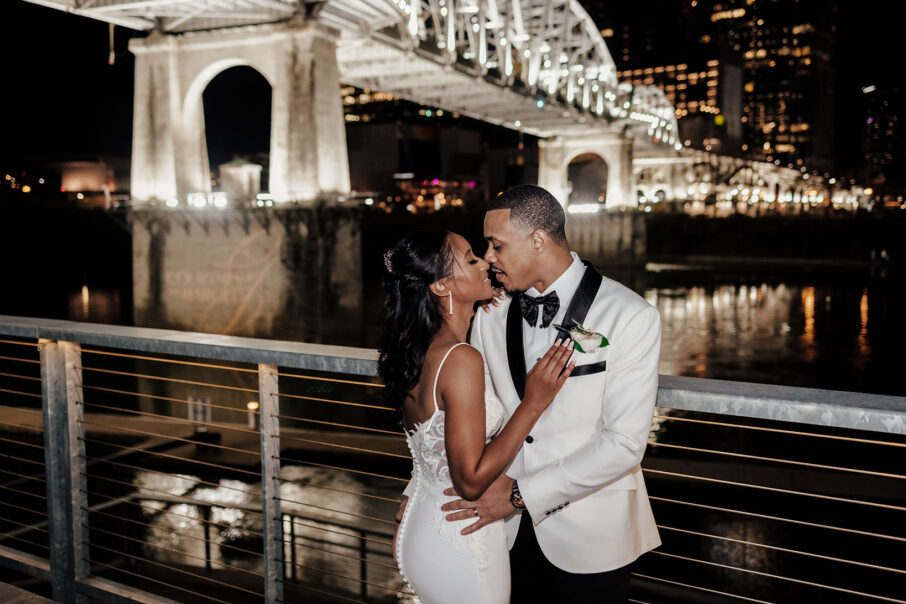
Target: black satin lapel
x: 584, y: 296
x: 515, y: 352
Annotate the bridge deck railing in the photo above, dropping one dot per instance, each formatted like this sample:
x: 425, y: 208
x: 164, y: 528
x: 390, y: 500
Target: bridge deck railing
x: 151, y: 465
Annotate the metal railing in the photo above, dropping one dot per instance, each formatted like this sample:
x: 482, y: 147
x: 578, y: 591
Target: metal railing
x: 156, y: 466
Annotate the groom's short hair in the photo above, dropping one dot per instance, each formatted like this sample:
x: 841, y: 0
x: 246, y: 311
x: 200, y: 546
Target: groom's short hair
x: 532, y: 207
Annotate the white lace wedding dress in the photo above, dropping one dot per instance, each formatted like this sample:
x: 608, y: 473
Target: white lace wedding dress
x: 441, y: 565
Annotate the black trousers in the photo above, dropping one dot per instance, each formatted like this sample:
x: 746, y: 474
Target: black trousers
x: 535, y: 579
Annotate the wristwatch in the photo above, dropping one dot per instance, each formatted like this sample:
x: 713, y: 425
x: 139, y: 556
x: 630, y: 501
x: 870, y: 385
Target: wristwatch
x: 516, y: 497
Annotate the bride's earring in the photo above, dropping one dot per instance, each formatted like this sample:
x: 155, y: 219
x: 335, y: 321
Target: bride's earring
x: 451, y: 303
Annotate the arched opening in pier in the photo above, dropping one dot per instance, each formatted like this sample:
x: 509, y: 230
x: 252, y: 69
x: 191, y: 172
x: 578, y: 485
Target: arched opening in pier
x: 237, y: 118
x: 587, y: 176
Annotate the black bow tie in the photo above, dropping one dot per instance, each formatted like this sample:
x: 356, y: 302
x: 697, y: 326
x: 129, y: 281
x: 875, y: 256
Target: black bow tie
x: 529, y: 307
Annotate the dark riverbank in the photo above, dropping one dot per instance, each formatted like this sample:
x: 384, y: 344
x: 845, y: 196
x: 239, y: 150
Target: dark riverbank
x: 851, y: 239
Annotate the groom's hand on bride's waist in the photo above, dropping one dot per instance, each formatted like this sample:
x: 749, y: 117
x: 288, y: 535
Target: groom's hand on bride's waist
x: 493, y: 505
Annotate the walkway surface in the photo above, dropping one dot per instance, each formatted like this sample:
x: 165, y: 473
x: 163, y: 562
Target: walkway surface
x: 9, y: 594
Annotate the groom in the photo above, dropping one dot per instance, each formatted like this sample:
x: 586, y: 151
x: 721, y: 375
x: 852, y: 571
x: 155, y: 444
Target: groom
x: 574, y: 498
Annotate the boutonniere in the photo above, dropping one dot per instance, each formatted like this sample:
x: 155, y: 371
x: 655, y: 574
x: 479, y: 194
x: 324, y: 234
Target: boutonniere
x: 584, y: 340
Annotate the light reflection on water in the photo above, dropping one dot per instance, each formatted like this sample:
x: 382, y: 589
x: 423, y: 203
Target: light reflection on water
x: 327, y: 512
x: 828, y: 333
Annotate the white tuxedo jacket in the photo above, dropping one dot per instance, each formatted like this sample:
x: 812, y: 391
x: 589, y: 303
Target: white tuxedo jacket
x: 579, y: 469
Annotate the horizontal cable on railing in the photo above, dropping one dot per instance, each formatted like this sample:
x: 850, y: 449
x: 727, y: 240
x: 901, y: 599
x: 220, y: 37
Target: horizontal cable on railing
x: 158, y: 397
x: 173, y: 361
x: 338, y: 490
x: 321, y: 591
x: 196, y: 480
x: 188, y: 500
x: 23, y: 508
x: 21, y: 377
x: 25, y: 409
x: 779, y: 518
x: 20, y: 360
x: 168, y: 456
x: 166, y: 379
x: 782, y: 431
x: 353, y: 579
x: 32, y: 527
x: 334, y: 380
x: 235, y: 427
x: 339, y: 446
x: 22, y: 459
x: 784, y: 549
x: 335, y: 402
x: 33, y: 543
x: 175, y: 551
x: 327, y: 530
x: 22, y: 476
x: 20, y: 343
x: 199, y: 519
x: 23, y: 427
x: 353, y: 514
x: 179, y: 570
x: 186, y: 535
x: 8, y: 391
x: 38, y: 495
x: 777, y: 490
x: 778, y: 460
x: 342, y: 555
x: 19, y: 442
x: 342, y: 469
x: 700, y: 588
x: 164, y: 583
x: 171, y: 437
x: 779, y: 577
x: 399, y: 433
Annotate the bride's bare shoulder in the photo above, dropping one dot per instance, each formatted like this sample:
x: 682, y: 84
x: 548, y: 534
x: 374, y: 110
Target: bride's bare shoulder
x: 464, y: 363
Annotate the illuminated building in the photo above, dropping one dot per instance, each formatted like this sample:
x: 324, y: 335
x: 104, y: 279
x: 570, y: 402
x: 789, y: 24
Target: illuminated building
x: 397, y: 148
x: 707, y: 98
x: 783, y: 50
x: 883, y: 137
x: 786, y: 47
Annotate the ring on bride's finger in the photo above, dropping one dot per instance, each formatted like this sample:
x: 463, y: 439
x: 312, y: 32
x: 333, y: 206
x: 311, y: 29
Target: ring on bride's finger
x: 476, y: 511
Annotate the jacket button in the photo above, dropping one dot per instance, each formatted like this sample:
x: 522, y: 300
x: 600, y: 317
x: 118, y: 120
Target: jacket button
x: 529, y: 439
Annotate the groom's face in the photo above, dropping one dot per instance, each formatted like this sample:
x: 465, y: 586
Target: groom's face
x: 510, y: 252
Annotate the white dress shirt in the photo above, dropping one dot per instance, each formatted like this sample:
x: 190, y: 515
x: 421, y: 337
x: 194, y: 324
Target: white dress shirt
x: 537, y: 340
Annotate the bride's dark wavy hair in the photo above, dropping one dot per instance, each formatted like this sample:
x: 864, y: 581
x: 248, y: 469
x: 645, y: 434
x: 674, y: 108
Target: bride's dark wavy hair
x: 412, y: 316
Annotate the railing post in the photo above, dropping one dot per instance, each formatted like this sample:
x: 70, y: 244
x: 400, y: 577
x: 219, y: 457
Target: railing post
x: 363, y: 566
x: 64, y: 452
x: 269, y: 422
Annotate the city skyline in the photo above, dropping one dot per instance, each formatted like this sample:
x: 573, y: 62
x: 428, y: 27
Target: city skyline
x: 50, y: 91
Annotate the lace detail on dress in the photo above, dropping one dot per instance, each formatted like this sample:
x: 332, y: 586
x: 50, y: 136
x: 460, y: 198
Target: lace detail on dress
x: 431, y: 475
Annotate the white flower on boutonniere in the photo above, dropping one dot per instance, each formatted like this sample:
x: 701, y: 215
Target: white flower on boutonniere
x: 584, y: 340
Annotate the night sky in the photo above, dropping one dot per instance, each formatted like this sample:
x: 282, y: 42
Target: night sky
x: 61, y: 99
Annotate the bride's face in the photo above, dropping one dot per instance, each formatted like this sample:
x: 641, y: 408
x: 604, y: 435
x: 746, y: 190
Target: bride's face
x: 470, y: 280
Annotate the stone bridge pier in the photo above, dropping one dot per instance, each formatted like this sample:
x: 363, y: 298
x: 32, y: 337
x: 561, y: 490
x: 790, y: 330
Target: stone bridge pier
x: 308, y: 158
x: 556, y: 153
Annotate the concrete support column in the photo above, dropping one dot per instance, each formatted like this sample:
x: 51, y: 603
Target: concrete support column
x: 169, y: 153
x: 308, y: 157
x: 620, y: 181
x: 153, y: 144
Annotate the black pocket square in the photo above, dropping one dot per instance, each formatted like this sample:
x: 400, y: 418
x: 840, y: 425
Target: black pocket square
x: 589, y: 369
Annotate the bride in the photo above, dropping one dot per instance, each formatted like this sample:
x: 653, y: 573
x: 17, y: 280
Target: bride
x: 432, y: 283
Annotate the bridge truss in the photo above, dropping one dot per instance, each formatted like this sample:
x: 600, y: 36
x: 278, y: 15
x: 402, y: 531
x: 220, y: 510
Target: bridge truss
x: 536, y: 65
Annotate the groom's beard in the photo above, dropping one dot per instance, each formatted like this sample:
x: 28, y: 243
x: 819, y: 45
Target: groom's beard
x: 493, y: 271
